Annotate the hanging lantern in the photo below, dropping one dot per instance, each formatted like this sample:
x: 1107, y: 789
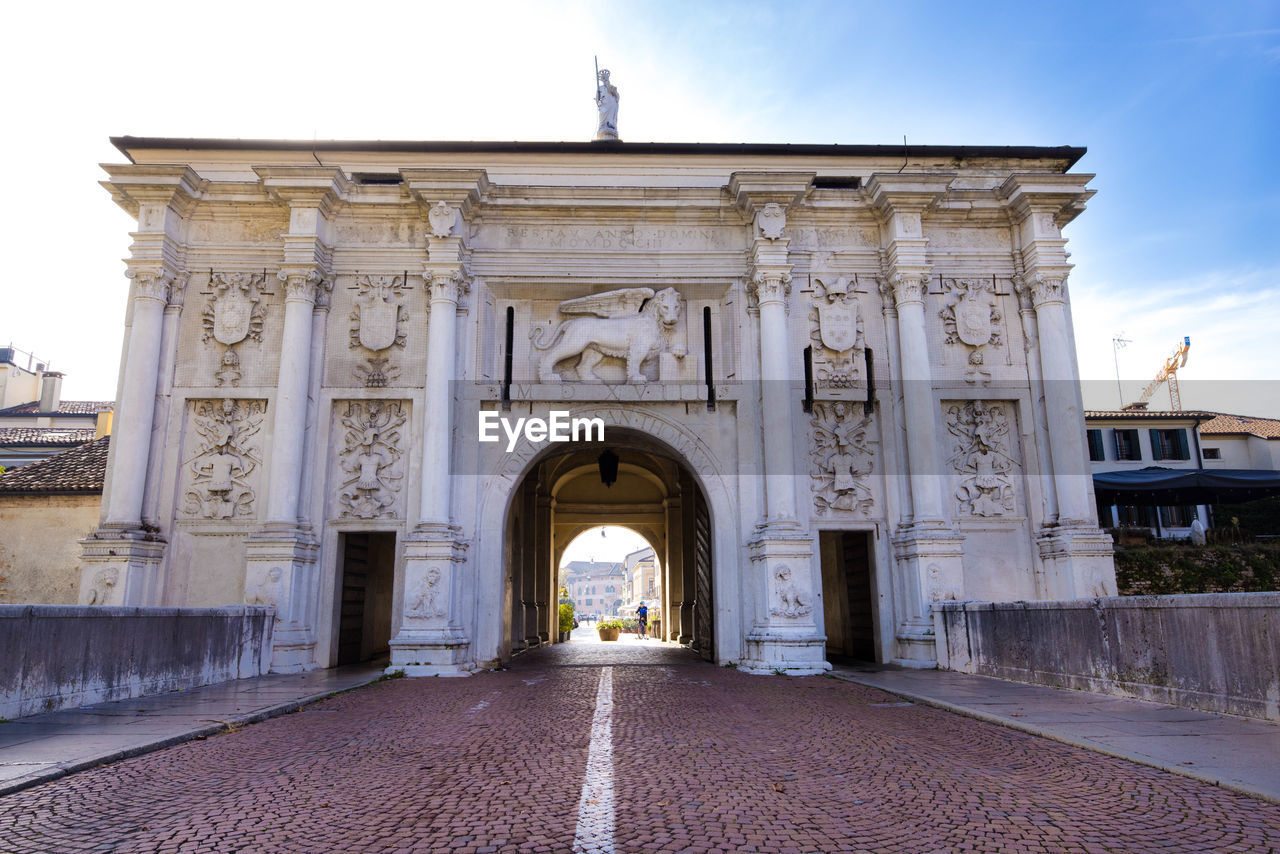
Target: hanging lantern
x: 608, y: 462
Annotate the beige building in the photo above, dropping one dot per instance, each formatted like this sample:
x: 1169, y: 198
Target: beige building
x: 35, y: 422
x: 46, y: 508
x: 594, y: 586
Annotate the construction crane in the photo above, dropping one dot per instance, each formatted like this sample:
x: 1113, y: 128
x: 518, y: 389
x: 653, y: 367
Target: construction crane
x: 1168, y: 373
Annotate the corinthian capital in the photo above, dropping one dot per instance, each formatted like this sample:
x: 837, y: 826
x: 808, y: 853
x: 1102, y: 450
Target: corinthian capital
x: 908, y: 287
x: 770, y: 286
x: 302, y: 285
x: 151, y: 283
x: 450, y: 285
x: 1046, y: 290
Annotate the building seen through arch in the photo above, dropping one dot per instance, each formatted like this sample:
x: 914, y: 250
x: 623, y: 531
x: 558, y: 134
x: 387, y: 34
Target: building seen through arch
x: 381, y: 386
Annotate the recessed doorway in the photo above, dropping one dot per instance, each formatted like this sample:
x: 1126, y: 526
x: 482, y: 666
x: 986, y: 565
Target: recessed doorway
x: 848, y: 595
x: 365, y: 595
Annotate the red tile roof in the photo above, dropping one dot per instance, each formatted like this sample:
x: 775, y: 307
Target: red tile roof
x: 66, y: 407
x: 78, y: 470
x: 1223, y: 424
x: 66, y: 436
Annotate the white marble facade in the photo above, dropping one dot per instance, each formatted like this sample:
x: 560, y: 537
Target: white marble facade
x: 313, y: 330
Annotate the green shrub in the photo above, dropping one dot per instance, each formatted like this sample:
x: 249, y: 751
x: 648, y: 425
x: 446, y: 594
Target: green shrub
x: 566, y: 617
x: 1167, y: 567
x: 609, y: 624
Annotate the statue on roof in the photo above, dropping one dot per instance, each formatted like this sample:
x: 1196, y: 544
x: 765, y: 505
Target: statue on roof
x: 607, y: 104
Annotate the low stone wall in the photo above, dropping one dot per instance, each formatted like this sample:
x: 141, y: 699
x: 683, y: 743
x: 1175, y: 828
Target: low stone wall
x: 56, y: 656
x: 1218, y: 652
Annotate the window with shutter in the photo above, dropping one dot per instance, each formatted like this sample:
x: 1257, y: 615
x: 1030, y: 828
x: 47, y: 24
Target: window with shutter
x: 1097, y: 453
x: 1180, y: 444
x: 1157, y: 445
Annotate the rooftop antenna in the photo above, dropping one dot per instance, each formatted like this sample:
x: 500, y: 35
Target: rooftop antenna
x: 1118, y: 343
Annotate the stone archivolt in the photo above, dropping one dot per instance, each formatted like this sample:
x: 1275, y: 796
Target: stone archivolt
x: 233, y: 314
x: 836, y: 333
x: 843, y: 455
x: 229, y: 451
x: 981, y: 457
x: 375, y: 326
x: 371, y: 457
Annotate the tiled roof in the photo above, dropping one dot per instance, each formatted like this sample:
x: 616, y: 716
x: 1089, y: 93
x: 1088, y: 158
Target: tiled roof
x: 1153, y: 415
x: 1223, y: 424
x: 65, y: 436
x: 81, y: 469
x: 66, y: 407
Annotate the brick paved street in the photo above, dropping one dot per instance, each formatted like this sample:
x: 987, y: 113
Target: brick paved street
x: 703, y: 759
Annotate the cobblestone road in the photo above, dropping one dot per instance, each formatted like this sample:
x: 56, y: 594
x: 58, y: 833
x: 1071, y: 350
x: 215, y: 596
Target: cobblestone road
x: 702, y: 758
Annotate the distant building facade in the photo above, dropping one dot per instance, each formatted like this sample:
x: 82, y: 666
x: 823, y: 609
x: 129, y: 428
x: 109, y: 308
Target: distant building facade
x: 35, y: 422
x: 594, y: 586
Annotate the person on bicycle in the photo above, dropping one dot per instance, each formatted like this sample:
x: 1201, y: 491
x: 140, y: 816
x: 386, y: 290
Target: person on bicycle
x: 642, y: 617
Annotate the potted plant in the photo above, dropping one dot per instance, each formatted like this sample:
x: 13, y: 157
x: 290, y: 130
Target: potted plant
x: 609, y: 629
x: 566, y: 621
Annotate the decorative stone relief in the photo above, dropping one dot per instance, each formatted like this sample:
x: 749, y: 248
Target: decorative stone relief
x: 442, y: 218
x: 424, y: 599
x: 371, y: 458
x: 234, y: 313
x: 104, y: 585
x: 771, y: 219
x: 836, y: 334
x: 632, y: 324
x: 375, y: 326
x: 971, y: 318
x: 842, y: 459
x: 265, y: 587
x: 789, y: 599
x: 981, y: 457
x: 227, y: 454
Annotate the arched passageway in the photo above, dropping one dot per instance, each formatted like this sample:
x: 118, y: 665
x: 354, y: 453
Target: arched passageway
x: 654, y: 494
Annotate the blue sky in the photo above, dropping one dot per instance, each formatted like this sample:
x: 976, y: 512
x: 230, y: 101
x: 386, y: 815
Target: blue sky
x: 1177, y: 103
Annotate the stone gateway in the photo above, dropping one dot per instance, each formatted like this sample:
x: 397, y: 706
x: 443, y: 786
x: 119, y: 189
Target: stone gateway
x: 837, y: 386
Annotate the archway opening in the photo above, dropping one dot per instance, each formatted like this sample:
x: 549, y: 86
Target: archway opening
x: 564, y: 498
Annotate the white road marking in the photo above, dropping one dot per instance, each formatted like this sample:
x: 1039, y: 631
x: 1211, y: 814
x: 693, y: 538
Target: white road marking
x: 595, y: 808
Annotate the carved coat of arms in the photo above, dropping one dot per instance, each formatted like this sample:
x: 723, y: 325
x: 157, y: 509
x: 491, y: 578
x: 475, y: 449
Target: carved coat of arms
x: 231, y: 313
x: 973, y: 318
x: 377, y: 323
x: 836, y: 333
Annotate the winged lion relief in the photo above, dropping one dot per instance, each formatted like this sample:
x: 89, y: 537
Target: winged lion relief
x: 632, y: 324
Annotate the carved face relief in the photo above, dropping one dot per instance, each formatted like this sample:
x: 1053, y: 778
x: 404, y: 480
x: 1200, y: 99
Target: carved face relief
x: 371, y: 458
x: 842, y: 456
x: 982, y: 457
x: 228, y: 452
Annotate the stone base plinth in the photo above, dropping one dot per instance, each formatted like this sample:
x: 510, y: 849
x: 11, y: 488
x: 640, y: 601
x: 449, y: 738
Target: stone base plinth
x: 280, y: 571
x: 121, y: 566
x: 931, y: 554
x: 1079, y: 562
x: 785, y: 651
x: 430, y: 641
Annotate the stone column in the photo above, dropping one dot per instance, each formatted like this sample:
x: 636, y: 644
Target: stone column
x: 132, y: 433
x: 928, y: 552
x: 430, y: 640
x: 164, y: 388
x: 785, y: 636
x: 1076, y: 554
x: 283, y: 552
x: 673, y: 567
x: 122, y: 557
x: 528, y: 565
